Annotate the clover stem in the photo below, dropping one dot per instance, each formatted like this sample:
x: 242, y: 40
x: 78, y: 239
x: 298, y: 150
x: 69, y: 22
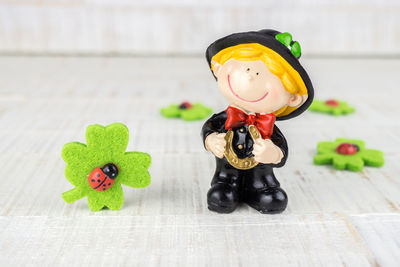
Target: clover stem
x: 73, y: 195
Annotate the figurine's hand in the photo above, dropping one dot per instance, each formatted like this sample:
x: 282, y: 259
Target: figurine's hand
x: 265, y: 151
x: 216, y: 144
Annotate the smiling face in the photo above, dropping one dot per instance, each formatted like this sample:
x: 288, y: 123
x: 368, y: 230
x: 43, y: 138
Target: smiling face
x: 249, y: 85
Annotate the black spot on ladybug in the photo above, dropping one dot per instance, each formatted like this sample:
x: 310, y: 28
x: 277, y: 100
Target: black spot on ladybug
x: 98, y: 175
x: 93, y: 180
x: 104, y: 184
x: 98, y: 180
x: 109, y: 183
x: 104, y: 189
x: 110, y: 170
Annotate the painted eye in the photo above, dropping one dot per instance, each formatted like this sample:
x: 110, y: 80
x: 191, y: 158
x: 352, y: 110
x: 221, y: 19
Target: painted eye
x: 248, y: 69
x: 257, y: 73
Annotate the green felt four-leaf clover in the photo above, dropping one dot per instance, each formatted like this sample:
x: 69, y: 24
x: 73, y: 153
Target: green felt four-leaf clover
x: 186, y: 111
x: 332, y: 107
x: 328, y: 153
x: 104, y: 145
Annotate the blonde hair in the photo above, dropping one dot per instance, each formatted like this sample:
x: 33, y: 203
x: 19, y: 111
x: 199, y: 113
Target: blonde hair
x: 289, y: 77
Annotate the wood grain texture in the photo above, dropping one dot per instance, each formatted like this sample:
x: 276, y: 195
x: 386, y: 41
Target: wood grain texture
x: 174, y: 240
x: 356, y: 27
x: 334, y: 218
x: 381, y: 233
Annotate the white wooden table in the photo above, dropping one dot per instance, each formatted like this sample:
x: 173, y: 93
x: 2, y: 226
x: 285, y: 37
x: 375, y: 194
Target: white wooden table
x: 333, y: 218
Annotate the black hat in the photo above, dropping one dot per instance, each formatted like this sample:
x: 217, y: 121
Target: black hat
x: 269, y: 38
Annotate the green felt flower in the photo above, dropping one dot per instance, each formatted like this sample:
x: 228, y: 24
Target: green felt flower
x: 104, y: 145
x: 186, y: 111
x: 348, y: 154
x: 333, y: 107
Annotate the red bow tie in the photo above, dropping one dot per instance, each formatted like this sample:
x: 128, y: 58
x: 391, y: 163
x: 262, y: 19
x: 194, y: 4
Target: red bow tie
x: 237, y: 118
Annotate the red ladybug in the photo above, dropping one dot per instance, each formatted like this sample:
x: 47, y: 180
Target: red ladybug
x: 103, y: 178
x: 347, y: 149
x: 332, y: 103
x: 185, y: 105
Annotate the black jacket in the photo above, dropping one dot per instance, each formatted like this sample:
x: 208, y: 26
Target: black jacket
x: 242, y: 142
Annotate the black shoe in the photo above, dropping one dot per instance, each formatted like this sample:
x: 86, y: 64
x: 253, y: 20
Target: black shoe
x: 269, y: 200
x: 222, y: 198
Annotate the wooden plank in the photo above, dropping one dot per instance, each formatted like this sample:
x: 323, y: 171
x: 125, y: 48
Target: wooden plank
x: 182, y: 240
x: 187, y: 27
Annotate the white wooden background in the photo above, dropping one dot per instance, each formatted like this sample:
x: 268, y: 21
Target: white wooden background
x: 333, y: 218
x: 340, y: 27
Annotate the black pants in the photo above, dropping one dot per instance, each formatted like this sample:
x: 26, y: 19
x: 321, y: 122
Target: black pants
x: 256, y: 187
x: 258, y: 178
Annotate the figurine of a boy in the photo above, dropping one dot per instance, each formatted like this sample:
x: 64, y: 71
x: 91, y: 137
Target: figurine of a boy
x: 260, y: 75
